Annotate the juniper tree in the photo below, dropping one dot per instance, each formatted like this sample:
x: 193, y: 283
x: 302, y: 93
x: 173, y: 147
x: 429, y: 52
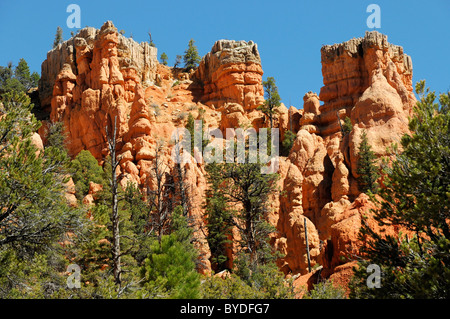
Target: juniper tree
x: 85, y: 169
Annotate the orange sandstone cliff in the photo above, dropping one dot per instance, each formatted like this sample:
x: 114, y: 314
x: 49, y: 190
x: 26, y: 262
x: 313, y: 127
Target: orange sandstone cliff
x: 99, y: 75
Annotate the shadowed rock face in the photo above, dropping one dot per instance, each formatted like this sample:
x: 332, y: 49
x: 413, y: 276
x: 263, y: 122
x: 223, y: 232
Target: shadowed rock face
x: 99, y: 75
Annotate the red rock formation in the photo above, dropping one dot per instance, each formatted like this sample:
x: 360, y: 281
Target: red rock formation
x: 368, y: 80
x: 232, y: 72
x: 99, y: 75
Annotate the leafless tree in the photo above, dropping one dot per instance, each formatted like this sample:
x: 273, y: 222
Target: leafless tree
x: 158, y: 198
x: 115, y: 219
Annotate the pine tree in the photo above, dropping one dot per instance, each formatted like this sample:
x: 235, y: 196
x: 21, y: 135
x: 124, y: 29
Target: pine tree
x: 22, y: 73
x: 164, y: 58
x: 17, y: 79
x: 34, y: 214
x: 366, y: 166
x: 33, y: 206
x: 169, y: 271
x: 245, y: 185
x: 415, y: 197
x: 150, y: 39
x: 191, y: 57
x: 34, y: 79
x: 288, y: 142
x: 273, y: 100
x: 58, y: 37
x: 219, y: 221
x: 177, y: 63
x: 347, y: 127
x: 85, y: 169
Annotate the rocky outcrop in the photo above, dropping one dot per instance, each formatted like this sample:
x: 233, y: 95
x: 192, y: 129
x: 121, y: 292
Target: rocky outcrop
x: 370, y: 81
x: 99, y: 78
x: 232, y: 73
x: 78, y: 51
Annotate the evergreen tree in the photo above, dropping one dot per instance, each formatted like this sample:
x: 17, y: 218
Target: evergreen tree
x: 366, y: 166
x: 164, y: 58
x: 34, y: 79
x: 273, y: 100
x: 191, y: 58
x: 347, y: 127
x: 150, y: 39
x: 22, y: 73
x: 245, y: 185
x: 17, y: 79
x: 85, y: 169
x: 6, y: 72
x: 415, y: 197
x: 169, y: 271
x: 325, y: 290
x: 219, y: 222
x: 177, y: 63
x: 265, y: 282
x: 288, y: 142
x: 58, y: 37
x: 34, y: 214
x: 33, y: 205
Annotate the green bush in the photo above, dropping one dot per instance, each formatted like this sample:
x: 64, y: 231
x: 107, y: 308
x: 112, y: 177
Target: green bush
x: 85, y: 169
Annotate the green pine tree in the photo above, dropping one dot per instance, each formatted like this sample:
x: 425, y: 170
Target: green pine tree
x: 22, y: 73
x: 34, y: 213
x: 169, y: 270
x: 191, y: 58
x: 273, y: 100
x: 164, y: 58
x: 219, y: 221
x: 17, y: 79
x: 245, y: 185
x: 347, y: 127
x: 288, y: 142
x: 85, y: 169
x: 366, y: 166
x: 58, y: 37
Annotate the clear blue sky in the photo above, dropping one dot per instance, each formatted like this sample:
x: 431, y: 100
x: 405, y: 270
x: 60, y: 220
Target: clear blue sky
x: 289, y: 33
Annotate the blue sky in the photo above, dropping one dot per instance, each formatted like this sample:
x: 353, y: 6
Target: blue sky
x: 289, y: 34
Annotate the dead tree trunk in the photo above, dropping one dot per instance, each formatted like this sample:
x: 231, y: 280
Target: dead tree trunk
x: 307, y: 246
x: 117, y: 269
x: 157, y: 198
